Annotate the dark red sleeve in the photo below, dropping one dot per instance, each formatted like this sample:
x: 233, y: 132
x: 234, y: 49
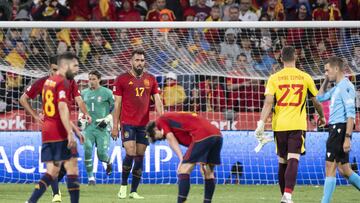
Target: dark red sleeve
x: 163, y: 125
x: 155, y: 87
x: 35, y: 89
x: 75, y: 89
x: 117, y: 91
x: 62, y: 90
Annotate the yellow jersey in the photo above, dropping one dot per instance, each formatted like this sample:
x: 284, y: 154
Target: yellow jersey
x: 290, y: 87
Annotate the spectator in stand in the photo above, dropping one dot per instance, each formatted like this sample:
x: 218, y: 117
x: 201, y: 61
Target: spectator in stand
x: 50, y: 11
x: 177, y: 7
x: 262, y: 62
x: 80, y: 10
x: 254, y: 94
x: 18, y: 6
x: 302, y: 13
x: 236, y: 93
x: 351, y: 10
x: 154, y: 14
x: 201, y: 10
x: 275, y: 9
x: 38, y: 58
x: 326, y: 12
x: 212, y: 95
x: 173, y: 94
x: 246, y: 46
x: 241, y: 66
x: 128, y: 13
x: 189, y: 14
x: 226, y: 10
x: 141, y: 6
x: 213, y: 35
x: 197, y: 41
x: 234, y: 13
x: 5, y: 10
x: 245, y: 13
x: 355, y: 63
x: 104, y: 10
x: 94, y: 46
x: 290, y: 7
x: 121, y: 42
x: 229, y: 47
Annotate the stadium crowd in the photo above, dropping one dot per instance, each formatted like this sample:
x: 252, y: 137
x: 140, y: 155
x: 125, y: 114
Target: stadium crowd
x: 233, y: 52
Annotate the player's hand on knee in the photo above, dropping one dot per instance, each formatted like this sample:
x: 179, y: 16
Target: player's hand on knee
x: 115, y: 133
x: 347, y: 145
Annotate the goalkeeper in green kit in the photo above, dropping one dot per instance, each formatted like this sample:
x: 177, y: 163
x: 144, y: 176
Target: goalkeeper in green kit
x: 99, y: 102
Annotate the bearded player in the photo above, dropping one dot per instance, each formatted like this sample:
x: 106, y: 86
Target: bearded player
x: 58, y: 142
x: 32, y: 92
x: 204, y: 142
x: 133, y: 91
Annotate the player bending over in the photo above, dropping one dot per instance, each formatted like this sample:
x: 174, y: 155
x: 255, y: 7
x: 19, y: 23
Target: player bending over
x: 32, y: 92
x: 133, y: 91
x: 341, y: 124
x: 204, y: 142
x: 99, y: 101
x: 58, y: 143
x: 289, y: 87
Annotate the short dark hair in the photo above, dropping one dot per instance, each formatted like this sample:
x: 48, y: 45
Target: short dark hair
x: 215, y: 7
x: 67, y: 55
x: 137, y: 51
x: 234, y: 7
x: 150, y: 131
x: 96, y: 73
x: 53, y: 59
x: 241, y: 54
x: 288, y: 54
x: 335, y: 61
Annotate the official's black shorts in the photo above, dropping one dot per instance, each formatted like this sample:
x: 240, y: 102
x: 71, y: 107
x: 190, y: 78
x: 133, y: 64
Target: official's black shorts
x: 57, y: 151
x: 335, y: 142
x: 134, y: 133
x: 206, y: 151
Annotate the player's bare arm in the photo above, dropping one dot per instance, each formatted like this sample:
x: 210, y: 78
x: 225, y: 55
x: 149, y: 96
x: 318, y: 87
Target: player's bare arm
x: 158, y: 104
x: 349, y: 130
x: 24, y: 101
x: 318, y: 107
x: 116, y: 117
x: 82, y: 106
x: 174, y: 144
x: 65, y: 119
x: 78, y: 133
x: 324, y: 86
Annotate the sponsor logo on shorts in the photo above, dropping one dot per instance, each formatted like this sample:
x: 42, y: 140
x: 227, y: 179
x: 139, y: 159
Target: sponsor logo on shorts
x: 126, y: 134
x: 328, y: 154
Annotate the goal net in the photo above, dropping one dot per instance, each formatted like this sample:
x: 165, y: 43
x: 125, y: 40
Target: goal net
x: 217, y: 69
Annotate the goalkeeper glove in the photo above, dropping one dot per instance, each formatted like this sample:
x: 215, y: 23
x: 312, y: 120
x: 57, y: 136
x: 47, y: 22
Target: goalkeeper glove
x: 259, y: 132
x: 104, y: 122
x: 82, y: 121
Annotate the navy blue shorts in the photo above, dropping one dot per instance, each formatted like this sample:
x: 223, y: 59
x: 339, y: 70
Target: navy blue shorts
x: 57, y: 151
x: 134, y: 133
x: 334, y: 144
x: 206, y: 151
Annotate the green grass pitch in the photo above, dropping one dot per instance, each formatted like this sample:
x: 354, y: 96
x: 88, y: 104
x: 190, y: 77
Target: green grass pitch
x: 11, y: 193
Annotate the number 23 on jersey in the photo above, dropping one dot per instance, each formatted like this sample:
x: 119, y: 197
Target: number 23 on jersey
x: 292, y: 94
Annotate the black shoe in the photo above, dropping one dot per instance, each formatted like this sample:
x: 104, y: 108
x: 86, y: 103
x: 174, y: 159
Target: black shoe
x: 92, y: 182
x: 109, y: 169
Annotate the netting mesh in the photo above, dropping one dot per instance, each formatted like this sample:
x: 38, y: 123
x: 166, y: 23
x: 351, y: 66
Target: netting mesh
x: 219, y: 72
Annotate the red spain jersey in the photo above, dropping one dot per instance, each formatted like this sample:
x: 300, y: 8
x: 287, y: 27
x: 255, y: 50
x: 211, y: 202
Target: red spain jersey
x: 56, y: 89
x: 187, y: 127
x: 136, y: 95
x: 36, y: 88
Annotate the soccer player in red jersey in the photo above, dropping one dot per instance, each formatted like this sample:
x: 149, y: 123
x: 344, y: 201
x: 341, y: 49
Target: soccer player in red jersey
x: 133, y: 91
x: 58, y: 143
x: 204, y: 142
x: 32, y: 92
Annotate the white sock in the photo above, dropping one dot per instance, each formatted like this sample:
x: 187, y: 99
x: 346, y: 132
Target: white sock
x: 287, y: 195
x: 92, y: 178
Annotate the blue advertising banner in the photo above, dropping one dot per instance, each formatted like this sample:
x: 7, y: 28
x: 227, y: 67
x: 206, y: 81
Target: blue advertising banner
x: 20, y: 160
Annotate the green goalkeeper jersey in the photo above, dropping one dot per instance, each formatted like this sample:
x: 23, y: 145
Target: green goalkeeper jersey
x: 98, y: 102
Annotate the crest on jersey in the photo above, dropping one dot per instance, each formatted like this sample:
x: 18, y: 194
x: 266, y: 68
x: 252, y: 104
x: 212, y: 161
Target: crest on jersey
x: 131, y: 83
x: 99, y: 99
x: 146, y: 83
x: 62, y: 94
x: 126, y: 134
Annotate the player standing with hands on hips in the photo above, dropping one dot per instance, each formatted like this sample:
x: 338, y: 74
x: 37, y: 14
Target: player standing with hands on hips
x: 341, y: 124
x: 133, y: 91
